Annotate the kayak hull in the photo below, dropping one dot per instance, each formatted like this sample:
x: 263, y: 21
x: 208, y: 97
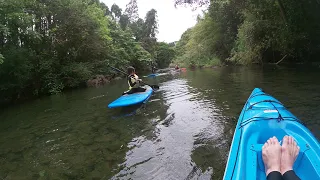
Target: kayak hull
x: 152, y: 75
x: 132, y: 99
x: 261, y: 118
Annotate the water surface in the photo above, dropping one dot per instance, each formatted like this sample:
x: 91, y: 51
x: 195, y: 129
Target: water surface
x: 183, y: 132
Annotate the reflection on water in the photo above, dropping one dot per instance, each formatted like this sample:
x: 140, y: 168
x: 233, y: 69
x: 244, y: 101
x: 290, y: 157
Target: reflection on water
x: 188, y: 126
x: 184, y: 131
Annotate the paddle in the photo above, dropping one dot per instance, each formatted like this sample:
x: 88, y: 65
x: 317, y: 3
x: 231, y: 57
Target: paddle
x: 155, y: 87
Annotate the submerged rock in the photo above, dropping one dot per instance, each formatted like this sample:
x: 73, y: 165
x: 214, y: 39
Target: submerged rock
x: 98, y: 81
x: 117, y: 78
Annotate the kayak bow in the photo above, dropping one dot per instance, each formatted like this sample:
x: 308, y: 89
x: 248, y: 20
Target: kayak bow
x: 132, y: 99
x: 263, y: 117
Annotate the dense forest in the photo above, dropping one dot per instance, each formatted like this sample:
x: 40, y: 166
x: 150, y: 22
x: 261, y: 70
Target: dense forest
x: 47, y: 46
x: 251, y: 31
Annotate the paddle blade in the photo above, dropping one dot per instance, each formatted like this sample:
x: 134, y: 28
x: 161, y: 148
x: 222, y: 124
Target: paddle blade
x: 155, y: 87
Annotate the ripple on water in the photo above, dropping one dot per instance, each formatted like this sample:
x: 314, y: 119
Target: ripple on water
x: 188, y: 126
x: 184, y: 132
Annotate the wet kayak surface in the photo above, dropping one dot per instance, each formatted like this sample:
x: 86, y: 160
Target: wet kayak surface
x: 184, y: 131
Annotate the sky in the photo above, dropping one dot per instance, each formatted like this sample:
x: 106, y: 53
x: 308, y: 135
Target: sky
x: 172, y: 21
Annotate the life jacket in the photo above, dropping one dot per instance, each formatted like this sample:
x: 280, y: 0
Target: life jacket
x: 133, y: 81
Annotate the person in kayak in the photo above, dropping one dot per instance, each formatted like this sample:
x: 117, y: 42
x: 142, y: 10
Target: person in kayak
x: 177, y: 67
x: 134, y: 82
x: 278, y: 160
x: 153, y: 69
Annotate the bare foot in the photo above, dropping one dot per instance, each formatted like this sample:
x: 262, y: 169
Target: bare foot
x: 271, y: 155
x: 289, y: 153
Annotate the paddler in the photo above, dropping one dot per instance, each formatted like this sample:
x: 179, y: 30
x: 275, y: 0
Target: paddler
x: 177, y: 67
x: 134, y: 82
x: 153, y: 69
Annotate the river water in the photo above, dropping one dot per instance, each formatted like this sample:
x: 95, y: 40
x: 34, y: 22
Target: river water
x: 183, y: 132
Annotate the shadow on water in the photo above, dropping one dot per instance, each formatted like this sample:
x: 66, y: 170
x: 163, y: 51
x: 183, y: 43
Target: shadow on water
x: 183, y: 132
x: 130, y: 111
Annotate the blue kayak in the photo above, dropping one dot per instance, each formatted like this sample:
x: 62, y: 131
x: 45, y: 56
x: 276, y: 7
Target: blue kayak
x: 263, y: 117
x: 132, y: 99
x: 152, y: 75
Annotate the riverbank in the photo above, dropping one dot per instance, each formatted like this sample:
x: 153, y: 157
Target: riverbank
x: 96, y: 81
x: 102, y: 80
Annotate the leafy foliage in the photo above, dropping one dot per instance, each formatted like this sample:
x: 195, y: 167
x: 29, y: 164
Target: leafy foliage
x: 196, y: 47
x: 249, y: 31
x: 116, y: 11
x: 132, y: 11
x: 48, y: 46
x: 197, y: 2
x: 164, y: 55
x: 151, y: 24
x: 1, y: 58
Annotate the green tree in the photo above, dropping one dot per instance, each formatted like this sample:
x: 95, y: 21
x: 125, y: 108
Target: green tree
x: 192, y: 2
x: 149, y: 31
x: 124, y: 21
x: 138, y: 29
x: 48, y: 46
x: 249, y: 31
x: 105, y: 8
x: 132, y: 11
x: 181, y: 44
x: 164, y: 55
x: 151, y: 24
x: 125, y: 50
x: 116, y: 11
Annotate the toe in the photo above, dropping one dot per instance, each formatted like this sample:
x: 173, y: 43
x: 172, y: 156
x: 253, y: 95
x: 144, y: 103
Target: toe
x: 298, y: 150
x: 290, y: 140
x: 273, y: 140
x: 266, y: 144
x: 276, y: 141
x: 285, y: 140
x: 294, y: 143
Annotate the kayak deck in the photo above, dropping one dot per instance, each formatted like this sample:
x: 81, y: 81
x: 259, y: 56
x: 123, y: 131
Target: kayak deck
x: 132, y: 99
x: 262, y: 118
x: 152, y: 75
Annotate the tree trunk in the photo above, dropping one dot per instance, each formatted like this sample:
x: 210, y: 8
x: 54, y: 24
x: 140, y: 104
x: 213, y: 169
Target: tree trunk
x: 282, y: 11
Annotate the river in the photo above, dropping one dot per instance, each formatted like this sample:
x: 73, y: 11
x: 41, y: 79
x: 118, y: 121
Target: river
x: 183, y: 132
